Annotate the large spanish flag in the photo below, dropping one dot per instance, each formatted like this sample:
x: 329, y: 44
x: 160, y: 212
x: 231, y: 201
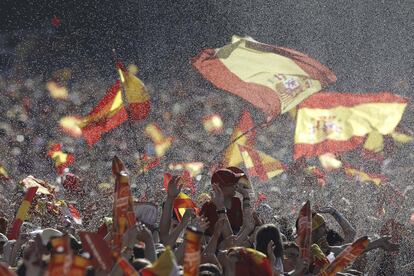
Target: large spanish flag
x: 273, y: 79
x: 232, y: 156
x: 337, y: 122
x: 260, y: 164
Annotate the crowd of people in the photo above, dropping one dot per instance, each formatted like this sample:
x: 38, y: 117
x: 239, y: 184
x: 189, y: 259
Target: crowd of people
x: 242, y: 233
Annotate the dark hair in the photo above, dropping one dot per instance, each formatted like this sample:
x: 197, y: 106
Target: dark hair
x: 138, y: 251
x: 333, y: 238
x: 267, y: 233
x: 287, y: 245
x: 209, y: 269
x: 140, y: 263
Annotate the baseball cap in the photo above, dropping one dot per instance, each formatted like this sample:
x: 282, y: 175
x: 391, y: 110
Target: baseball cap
x: 226, y: 177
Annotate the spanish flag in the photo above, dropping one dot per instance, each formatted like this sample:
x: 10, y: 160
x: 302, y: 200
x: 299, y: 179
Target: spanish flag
x: 232, y: 156
x: 106, y: 115
x: 3, y: 173
x: 273, y: 79
x: 362, y: 176
x: 165, y: 265
x: 329, y: 161
x: 21, y: 213
x: 161, y: 142
x: 194, y: 168
x: 62, y: 160
x: 147, y: 162
x: 348, y: 255
x: 111, y: 112
x: 181, y: 203
x: 260, y: 164
x: 137, y: 96
x: 338, y: 122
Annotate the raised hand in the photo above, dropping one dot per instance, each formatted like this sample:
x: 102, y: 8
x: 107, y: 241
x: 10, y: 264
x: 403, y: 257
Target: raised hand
x: 174, y: 187
x: 218, y: 196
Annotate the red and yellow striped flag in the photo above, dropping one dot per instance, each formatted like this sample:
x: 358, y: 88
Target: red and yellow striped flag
x: 161, y: 142
x: 21, y: 213
x: 338, y: 122
x: 181, y: 203
x: 165, y: 265
x: 106, y: 115
x: 362, y: 176
x: 346, y: 257
x: 260, y: 164
x: 274, y: 79
x: 123, y: 208
x: 62, y: 160
x: 137, y: 96
x: 232, y: 156
x: 3, y: 173
x: 304, y: 231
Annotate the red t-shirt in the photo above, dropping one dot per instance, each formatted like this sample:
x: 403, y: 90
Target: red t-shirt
x: 234, y: 214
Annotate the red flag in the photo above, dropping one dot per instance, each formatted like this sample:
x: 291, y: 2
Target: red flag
x: 98, y: 248
x: 304, y: 231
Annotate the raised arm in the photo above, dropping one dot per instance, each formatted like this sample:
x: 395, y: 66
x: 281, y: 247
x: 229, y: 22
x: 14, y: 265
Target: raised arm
x: 173, y: 190
x: 347, y: 228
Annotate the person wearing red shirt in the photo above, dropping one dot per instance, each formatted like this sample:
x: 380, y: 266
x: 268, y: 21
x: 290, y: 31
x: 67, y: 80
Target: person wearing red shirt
x: 225, y: 184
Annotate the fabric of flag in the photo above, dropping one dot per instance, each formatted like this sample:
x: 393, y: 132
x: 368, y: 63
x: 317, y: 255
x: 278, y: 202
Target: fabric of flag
x: 57, y: 91
x: 14, y: 231
x: 260, y: 164
x: 213, y: 123
x: 329, y: 162
x: 337, y: 122
x: 304, y: 231
x: 106, y: 115
x: 42, y: 186
x: 79, y: 266
x: 161, y: 142
x: 62, y: 160
x: 126, y: 267
x: 232, y: 156
x: 250, y: 262
x: 273, y: 79
x: 349, y: 254
x: 3, y: 173
x: 165, y: 265
x: 362, y: 176
x: 123, y: 208
x: 374, y: 146
x: 402, y: 137
x: 4, y: 270
x: 98, y: 248
x: 181, y: 203
x: 194, y: 168
x: 147, y: 163
x: 136, y: 94
x: 70, y: 126
x: 75, y: 215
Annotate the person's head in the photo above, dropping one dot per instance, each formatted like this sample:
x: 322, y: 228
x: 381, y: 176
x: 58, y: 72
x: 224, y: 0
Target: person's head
x: 227, y: 181
x: 138, y: 251
x: 209, y: 269
x: 319, y: 229
x: 333, y: 238
x: 264, y: 235
x: 290, y: 255
x: 140, y: 263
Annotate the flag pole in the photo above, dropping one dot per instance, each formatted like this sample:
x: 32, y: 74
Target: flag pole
x: 125, y: 100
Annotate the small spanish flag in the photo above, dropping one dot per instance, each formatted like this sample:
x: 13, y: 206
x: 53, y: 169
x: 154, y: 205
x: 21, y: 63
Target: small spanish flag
x: 21, y: 213
x: 165, y: 265
x: 260, y: 164
x: 181, y: 203
x: 161, y: 142
x: 3, y: 173
x: 62, y: 160
x: 194, y: 168
x: 346, y: 257
x: 213, y: 123
x: 147, y: 162
x: 362, y: 176
x: 232, y: 156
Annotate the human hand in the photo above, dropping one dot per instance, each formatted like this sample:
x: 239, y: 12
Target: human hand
x: 201, y: 223
x: 326, y: 210
x: 228, y: 242
x: 218, y: 196
x: 174, y: 187
x: 242, y: 185
x: 385, y: 243
x: 270, y: 252
x: 143, y: 233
